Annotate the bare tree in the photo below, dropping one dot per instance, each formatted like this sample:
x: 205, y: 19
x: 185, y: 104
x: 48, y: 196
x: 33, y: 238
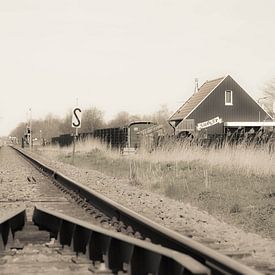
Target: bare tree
x: 269, y: 96
x: 47, y: 128
x: 92, y: 119
x: 19, y: 131
x: 65, y: 126
x: 41, y: 128
x: 135, y: 118
x: 123, y: 119
x: 161, y: 118
x: 120, y: 120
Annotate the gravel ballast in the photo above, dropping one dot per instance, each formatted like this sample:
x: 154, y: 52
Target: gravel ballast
x: 248, y: 248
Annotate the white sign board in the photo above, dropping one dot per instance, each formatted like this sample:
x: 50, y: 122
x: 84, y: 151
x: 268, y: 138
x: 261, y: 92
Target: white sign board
x: 76, y: 118
x: 209, y: 123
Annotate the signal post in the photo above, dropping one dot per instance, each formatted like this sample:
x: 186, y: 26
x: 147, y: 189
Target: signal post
x: 76, y: 123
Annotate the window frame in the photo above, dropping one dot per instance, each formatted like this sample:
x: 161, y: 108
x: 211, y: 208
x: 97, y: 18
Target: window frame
x: 231, y: 102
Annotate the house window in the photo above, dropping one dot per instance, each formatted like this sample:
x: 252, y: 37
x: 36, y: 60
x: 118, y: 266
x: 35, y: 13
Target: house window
x: 228, y: 97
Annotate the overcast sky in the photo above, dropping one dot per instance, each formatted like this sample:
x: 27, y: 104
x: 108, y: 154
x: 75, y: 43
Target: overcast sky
x: 127, y: 55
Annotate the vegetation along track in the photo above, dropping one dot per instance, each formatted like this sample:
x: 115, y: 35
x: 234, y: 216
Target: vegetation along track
x: 124, y: 220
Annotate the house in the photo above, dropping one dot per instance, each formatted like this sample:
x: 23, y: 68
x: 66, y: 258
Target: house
x: 217, y: 107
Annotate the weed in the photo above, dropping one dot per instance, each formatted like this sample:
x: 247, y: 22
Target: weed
x: 133, y: 174
x: 235, y: 208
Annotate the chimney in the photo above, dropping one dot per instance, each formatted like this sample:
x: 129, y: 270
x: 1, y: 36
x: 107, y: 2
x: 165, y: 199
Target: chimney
x: 196, y: 85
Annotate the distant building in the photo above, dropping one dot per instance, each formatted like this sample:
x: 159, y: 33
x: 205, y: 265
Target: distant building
x: 219, y: 106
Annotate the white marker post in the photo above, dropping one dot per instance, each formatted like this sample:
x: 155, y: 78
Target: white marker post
x: 76, y: 123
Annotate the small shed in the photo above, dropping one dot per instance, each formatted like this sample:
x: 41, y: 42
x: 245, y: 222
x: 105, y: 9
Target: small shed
x: 219, y: 106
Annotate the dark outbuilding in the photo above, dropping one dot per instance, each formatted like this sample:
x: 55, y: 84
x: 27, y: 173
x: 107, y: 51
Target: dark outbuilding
x: 219, y: 106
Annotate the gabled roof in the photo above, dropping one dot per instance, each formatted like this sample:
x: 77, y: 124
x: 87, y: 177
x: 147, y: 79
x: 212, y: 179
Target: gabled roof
x: 196, y: 99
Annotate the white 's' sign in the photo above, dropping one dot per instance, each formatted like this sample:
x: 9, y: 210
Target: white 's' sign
x: 209, y: 123
x: 76, y: 118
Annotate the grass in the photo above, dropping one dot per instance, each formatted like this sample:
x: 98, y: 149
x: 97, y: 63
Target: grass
x: 236, y: 184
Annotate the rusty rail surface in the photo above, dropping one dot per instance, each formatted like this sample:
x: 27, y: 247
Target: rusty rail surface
x: 10, y: 223
x: 158, y: 234
x: 118, y: 251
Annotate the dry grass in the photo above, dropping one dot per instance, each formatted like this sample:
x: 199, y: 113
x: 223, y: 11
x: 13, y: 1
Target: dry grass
x: 246, y: 160
x: 235, y: 183
x: 86, y: 146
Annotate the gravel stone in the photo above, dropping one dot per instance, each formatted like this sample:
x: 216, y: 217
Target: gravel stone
x: 181, y: 217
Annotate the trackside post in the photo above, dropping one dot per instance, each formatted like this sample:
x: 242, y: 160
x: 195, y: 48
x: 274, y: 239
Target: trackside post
x: 76, y: 123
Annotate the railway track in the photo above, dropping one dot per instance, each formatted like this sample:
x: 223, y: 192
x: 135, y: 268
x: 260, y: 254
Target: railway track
x: 110, y: 215
x: 22, y: 188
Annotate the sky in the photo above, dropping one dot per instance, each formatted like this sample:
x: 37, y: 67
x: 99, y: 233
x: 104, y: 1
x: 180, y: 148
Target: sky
x: 126, y: 55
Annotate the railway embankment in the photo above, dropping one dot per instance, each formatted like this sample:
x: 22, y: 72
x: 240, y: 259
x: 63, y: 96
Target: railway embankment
x: 185, y: 218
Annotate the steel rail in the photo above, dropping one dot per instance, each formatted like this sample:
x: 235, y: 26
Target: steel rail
x: 115, y: 249
x: 9, y: 224
x: 158, y: 234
